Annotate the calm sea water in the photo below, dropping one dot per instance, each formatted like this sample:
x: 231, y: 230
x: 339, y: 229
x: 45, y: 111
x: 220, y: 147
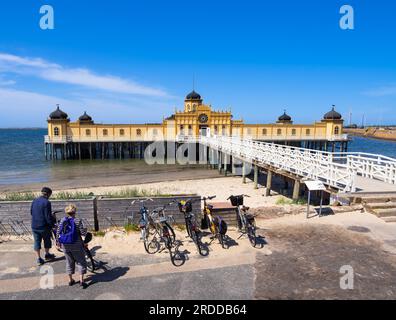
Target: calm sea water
x: 22, y: 158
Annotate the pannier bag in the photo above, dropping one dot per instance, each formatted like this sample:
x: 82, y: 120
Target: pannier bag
x: 221, y: 225
x: 237, y: 200
x: 185, y: 206
x: 205, y: 222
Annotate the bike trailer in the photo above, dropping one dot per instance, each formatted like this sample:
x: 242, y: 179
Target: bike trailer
x: 221, y: 225
x: 236, y: 200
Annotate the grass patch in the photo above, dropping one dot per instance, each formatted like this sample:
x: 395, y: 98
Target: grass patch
x: 131, y: 228
x: 99, y: 234
x: 30, y: 196
x: 180, y: 227
x: 285, y: 201
x: 134, y: 193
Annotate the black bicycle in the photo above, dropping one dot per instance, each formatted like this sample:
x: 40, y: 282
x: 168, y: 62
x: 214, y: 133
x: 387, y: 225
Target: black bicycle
x: 246, y: 221
x: 193, y: 231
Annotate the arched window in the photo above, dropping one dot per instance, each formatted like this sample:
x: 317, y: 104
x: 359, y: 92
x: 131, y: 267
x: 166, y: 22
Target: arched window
x: 215, y: 129
x: 138, y: 132
x: 122, y: 132
x: 279, y: 132
x: 155, y: 132
x: 105, y: 132
x: 308, y: 132
x: 337, y: 130
x: 87, y: 132
x: 264, y: 132
x: 223, y: 130
x: 294, y: 132
x: 56, y: 131
x: 190, y: 132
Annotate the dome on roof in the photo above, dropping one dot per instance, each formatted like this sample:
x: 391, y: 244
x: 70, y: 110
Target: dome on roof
x: 85, y: 117
x: 284, y: 117
x: 332, y: 115
x: 58, y: 114
x: 193, y: 96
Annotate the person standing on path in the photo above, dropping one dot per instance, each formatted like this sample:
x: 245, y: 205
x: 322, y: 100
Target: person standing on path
x: 42, y: 224
x: 70, y: 232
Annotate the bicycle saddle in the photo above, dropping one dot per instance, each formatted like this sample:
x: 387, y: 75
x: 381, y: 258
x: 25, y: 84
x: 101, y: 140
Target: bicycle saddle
x: 244, y: 208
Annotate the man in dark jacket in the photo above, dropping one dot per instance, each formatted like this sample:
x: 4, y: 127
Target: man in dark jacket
x: 42, y: 224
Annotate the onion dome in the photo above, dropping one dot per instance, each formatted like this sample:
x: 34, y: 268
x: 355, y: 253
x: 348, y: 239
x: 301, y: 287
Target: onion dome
x: 285, y: 117
x: 193, y: 96
x: 85, y: 117
x: 58, y: 114
x: 332, y: 115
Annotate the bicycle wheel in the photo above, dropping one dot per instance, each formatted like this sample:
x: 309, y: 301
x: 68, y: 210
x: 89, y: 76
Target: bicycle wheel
x: 251, y: 231
x: 151, y: 245
x: 171, y: 232
x: 90, y: 261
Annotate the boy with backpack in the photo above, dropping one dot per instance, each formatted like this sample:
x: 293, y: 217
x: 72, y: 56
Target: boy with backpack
x: 69, y: 233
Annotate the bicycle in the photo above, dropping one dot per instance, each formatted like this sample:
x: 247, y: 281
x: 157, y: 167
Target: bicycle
x: 147, y: 228
x: 185, y: 207
x: 214, y: 222
x: 246, y: 222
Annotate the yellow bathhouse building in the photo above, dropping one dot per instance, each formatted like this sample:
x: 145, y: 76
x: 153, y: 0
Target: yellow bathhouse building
x: 86, y: 139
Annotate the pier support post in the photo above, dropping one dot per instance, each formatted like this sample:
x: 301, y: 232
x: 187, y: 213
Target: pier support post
x: 269, y: 184
x: 225, y: 165
x: 244, y: 172
x: 296, y: 189
x: 256, y: 177
x: 219, y: 162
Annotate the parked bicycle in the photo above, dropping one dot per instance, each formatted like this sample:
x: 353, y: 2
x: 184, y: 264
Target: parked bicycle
x: 147, y: 227
x: 246, y: 222
x: 193, y: 231
x: 216, y: 225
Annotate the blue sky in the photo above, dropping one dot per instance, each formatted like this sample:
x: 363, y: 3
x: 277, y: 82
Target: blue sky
x: 133, y: 61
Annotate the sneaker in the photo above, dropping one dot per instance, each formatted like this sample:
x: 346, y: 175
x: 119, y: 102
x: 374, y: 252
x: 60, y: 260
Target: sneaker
x: 83, y: 285
x: 72, y: 282
x: 40, y: 261
x: 50, y: 256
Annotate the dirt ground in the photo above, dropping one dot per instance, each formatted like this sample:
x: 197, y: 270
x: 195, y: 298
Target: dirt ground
x: 306, y: 260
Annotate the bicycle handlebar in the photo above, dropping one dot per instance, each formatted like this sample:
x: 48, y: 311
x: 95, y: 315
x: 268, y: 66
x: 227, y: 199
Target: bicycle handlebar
x: 208, y: 198
x: 241, y: 195
x: 141, y: 200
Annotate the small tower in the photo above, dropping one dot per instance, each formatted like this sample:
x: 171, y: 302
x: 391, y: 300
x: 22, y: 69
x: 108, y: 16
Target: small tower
x: 192, y: 101
x: 57, y: 123
x: 334, y: 123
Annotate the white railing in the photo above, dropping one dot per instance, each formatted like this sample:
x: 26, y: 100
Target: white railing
x: 335, y: 169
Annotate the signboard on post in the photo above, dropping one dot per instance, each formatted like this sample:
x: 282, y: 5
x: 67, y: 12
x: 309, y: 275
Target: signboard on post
x: 315, y: 185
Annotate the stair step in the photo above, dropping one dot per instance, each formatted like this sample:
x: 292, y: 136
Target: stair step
x: 381, y: 205
x: 385, y: 212
x: 369, y: 200
x: 389, y: 219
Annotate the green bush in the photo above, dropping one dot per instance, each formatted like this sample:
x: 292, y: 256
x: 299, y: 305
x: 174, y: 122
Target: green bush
x: 284, y: 201
x: 131, y: 228
x: 134, y: 193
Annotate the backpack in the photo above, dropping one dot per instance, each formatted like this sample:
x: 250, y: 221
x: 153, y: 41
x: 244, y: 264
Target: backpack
x: 68, y: 233
x: 222, y: 225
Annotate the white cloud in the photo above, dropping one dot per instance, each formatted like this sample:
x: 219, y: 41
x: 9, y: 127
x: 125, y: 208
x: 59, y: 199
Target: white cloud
x: 20, y: 108
x: 382, y: 91
x: 76, y: 76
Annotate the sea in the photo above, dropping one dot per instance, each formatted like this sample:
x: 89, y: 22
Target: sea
x: 22, y: 158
